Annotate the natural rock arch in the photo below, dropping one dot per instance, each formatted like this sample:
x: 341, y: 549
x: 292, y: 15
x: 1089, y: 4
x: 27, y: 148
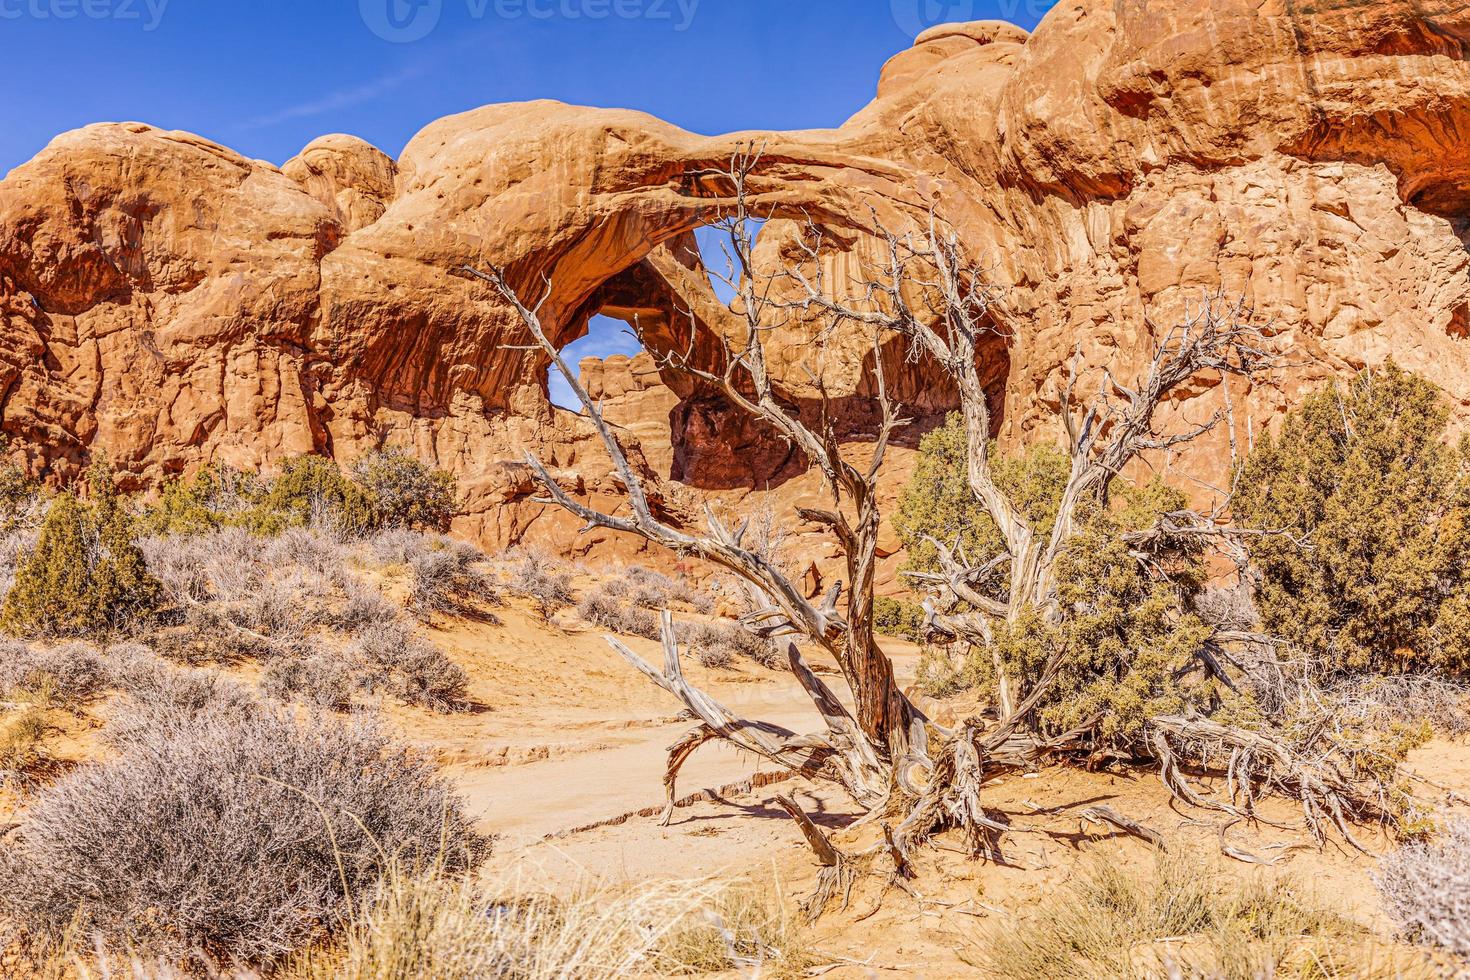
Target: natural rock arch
x: 172, y: 302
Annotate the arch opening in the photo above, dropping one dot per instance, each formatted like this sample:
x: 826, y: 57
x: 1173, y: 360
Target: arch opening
x: 671, y: 304
x: 605, y: 337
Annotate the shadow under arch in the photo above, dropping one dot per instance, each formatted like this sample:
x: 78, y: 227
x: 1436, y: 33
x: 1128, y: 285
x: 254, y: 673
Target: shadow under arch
x: 667, y: 300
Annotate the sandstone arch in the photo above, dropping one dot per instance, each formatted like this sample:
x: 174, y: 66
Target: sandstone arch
x: 172, y: 302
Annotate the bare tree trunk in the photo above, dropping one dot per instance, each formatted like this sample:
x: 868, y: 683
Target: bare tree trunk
x: 873, y: 750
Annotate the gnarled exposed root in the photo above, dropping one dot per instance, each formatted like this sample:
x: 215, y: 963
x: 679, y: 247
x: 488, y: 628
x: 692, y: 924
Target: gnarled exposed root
x: 936, y: 786
x: 679, y: 753
x: 952, y: 796
x: 1106, y: 814
x: 1260, y: 762
x: 842, y: 755
x: 836, y: 875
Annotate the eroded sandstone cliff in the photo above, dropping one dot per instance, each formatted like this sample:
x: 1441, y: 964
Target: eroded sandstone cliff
x: 171, y: 302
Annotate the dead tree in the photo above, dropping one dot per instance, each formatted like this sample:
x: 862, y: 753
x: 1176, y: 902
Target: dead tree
x: 884, y: 752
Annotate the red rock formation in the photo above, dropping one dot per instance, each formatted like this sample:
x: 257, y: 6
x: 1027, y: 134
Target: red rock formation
x: 353, y: 179
x: 170, y: 302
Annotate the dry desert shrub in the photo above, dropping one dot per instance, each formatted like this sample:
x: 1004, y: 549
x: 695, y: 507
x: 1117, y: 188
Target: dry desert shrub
x: 317, y: 550
x: 444, y: 580
x: 325, y: 678
x: 244, y: 596
x: 399, y: 546
x: 648, y: 589
x: 136, y: 667
x: 71, y: 674
x: 22, y: 728
x: 541, y: 578
x: 720, y: 644
x: 1380, y: 702
x: 709, y: 645
x: 276, y: 591
x: 163, y: 697
x: 232, y: 566
x: 239, y: 834
x: 411, y: 667
x: 606, y: 609
x: 178, y: 563
x: 222, y: 565
x: 284, y: 608
x: 394, y: 547
x: 1426, y: 890
x: 717, y: 645
x: 1185, y: 917
x: 363, y: 606
x: 440, y: 928
x: 14, y: 546
x: 231, y: 561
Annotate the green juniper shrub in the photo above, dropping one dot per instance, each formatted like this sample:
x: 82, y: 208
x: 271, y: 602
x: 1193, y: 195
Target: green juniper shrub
x: 308, y: 490
x: 19, y: 495
x: 938, y: 501
x: 52, y: 591
x: 313, y: 489
x: 216, y: 497
x: 945, y: 670
x: 898, y: 617
x: 1121, y: 630
x: 123, y: 590
x: 1375, y: 572
x: 405, y: 493
x: 385, y: 490
x: 85, y: 573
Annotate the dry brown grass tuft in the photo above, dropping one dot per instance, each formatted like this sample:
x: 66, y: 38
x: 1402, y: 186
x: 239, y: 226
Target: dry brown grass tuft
x: 1187, y: 918
x: 73, y: 673
x: 22, y: 729
x: 438, y: 928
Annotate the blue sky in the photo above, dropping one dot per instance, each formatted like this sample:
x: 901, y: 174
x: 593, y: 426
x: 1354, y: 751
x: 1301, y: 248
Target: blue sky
x: 267, y: 76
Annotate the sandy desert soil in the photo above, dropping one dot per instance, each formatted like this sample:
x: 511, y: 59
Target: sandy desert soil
x: 565, y: 758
